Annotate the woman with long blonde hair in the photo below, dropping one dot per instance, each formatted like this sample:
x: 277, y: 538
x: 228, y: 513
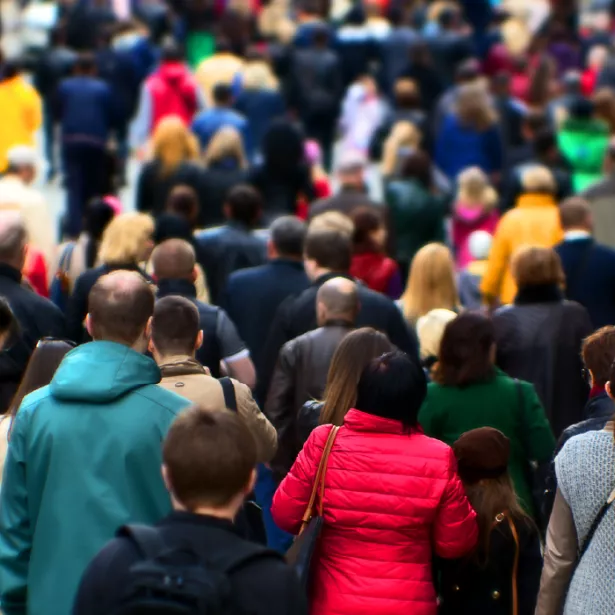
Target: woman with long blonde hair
x: 174, y: 162
x: 431, y: 283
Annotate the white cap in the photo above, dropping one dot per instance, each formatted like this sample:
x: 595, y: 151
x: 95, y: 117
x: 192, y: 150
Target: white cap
x: 479, y: 244
x: 22, y: 156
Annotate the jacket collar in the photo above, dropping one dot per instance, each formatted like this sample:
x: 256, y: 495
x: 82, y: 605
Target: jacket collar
x: 184, y: 288
x: 600, y: 407
x: 339, y: 322
x: 540, y: 293
x: 527, y: 201
x: 6, y: 271
x: 186, y: 519
x: 356, y: 420
x: 182, y: 365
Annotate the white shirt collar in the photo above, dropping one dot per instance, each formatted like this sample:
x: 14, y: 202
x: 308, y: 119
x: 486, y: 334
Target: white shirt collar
x: 576, y: 235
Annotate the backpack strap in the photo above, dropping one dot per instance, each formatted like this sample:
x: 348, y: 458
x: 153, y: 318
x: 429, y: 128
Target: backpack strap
x: 596, y: 524
x: 230, y: 399
x: 66, y: 257
x: 147, y: 539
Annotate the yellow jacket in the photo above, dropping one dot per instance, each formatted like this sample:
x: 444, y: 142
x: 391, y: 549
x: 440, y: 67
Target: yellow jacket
x: 20, y: 105
x: 534, y: 222
x: 219, y: 68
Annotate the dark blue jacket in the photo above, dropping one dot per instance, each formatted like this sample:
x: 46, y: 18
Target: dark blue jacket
x: 85, y: 109
x: 590, y: 277
x: 262, y: 288
x: 119, y: 70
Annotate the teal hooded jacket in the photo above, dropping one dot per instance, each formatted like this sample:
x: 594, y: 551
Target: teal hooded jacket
x: 84, y: 458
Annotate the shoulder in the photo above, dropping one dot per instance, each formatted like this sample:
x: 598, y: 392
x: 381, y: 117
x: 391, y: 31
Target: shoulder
x: 578, y: 447
x: 245, y: 276
x: 161, y: 398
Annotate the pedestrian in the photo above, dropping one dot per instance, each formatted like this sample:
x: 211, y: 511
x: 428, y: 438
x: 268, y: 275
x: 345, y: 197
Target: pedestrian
x: 431, y: 283
x: 86, y: 115
x: 174, y: 269
x: 588, y: 266
x: 303, y: 363
x: 469, y: 280
x: 234, y: 245
x: 503, y: 573
x: 403, y: 140
x: 429, y: 330
x: 397, y: 520
x: 127, y: 243
x: 176, y: 338
x: 108, y: 383
x: 265, y: 287
x: 220, y: 68
x: 468, y: 391
x: 538, y: 337
x: 352, y: 356
x: 534, y: 221
x: 174, y: 162
x: 209, y: 459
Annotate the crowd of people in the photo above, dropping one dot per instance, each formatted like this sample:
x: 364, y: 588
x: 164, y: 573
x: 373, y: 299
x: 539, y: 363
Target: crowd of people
x: 352, y: 347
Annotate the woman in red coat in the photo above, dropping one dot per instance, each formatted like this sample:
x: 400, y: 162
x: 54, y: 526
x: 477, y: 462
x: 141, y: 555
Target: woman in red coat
x: 392, y: 497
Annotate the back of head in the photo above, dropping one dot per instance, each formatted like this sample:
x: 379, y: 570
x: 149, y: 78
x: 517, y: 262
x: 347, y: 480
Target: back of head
x: 287, y: 235
x: 120, y: 306
x: 407, y: 94
x: 209, y: 458
x: 581, y: 109
x: 328, y: 249
x: 222, y: 94
x: 545, y: 143
x: 244, y: 204
x: 332, y: 221
x: 11, y: 68
x: 393, y: 386
x: 430, y: 329
x: 468, y: 71
x: 170, y: 52
x: 367, y: 221
x: 174, y: 259
x: 85, y: 64
x: 13, y: 237
x: 223, y: 45
x: 173, y: 143
x: 598, y: 352
x: 575, y: 213
x: 175, y: 326
x: 337, y: 299
x: 537, y: 179
x: 535, y: 121
x: 417, y: 166
x: 351, y: 170
x: 172, y: 226
x: 125, y: 239
x: 474, y: 108
x: 225, y: 145
x: 183, y: 201
x: 283, y: 149
x: 474, y: 187
x: 537, y: 266
x: 98, y: 215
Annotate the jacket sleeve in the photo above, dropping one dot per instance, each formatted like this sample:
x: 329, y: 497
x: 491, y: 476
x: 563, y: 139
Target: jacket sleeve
x: 15, y: 524
x: 293, y: 494
x: 529, y: 569
x: 455, y: 531
x: 280, y: 411
x: 263, y: 431
x: 559, y: 559
x: 77, y: 310
x: 538, y: 435
x: 497, y: 263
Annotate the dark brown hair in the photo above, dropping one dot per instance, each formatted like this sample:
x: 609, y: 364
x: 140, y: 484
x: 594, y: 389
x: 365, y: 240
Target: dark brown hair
x: 209, y: 457
x: 329, y: 248
x: 175, y: 326
x: 366, y: 221
x: 465, y: 351
x: 353, y: 354
x: 598, y: 352
x: 183, y: 201
x: 574, y: 212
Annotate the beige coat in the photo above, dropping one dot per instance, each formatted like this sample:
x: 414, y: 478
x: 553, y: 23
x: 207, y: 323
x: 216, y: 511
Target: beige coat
x: 186, y: 377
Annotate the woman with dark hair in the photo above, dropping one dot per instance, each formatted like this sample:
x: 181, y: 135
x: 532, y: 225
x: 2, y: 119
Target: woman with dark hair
x: 468, y: 392
x: 416, y: 210
x: 355, y: 351
x: 503, y: 573
x: 390, y: 499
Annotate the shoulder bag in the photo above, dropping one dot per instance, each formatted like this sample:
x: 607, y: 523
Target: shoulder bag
x: 513, y: 530
x: 299, y: 556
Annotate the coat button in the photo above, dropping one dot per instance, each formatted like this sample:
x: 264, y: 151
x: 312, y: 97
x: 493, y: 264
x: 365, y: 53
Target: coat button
x: 495, y: 594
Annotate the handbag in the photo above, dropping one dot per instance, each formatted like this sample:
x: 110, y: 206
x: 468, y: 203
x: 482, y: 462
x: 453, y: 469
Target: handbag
x: 299, y: 556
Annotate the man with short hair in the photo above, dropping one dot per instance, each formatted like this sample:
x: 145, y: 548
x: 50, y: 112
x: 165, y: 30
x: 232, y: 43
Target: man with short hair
x: 589, y: 266
x: 327, y: 255
x: 209, y: 460
x: 37, y: 316
x: 264, y: 288
x: 303, y: 365
x: 176, y: 338
x: 85, y: 453
x: 174, y: 262
x: 235, y: 245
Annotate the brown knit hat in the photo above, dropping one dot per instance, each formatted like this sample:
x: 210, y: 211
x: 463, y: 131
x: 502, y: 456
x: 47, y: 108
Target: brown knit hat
x: 482, y: 453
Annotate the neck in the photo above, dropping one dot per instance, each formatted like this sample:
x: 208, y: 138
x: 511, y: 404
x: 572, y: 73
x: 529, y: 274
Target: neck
x: 163, y: 359
x: 337, y: 320
x: 284, y: 257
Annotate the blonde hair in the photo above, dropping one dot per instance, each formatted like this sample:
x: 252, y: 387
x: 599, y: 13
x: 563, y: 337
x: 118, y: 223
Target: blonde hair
x: 475, y: 189
x: 431, y: 282
x: 473, y: 107
x: 538, y: 179
x: 535, y: 265
x: 124, y: 239
x: 403, y: 135
x: 173, y: 143
x: 257, y: 75
x: 430, y: 329
x: 226, y: 143
x: 332, y: 221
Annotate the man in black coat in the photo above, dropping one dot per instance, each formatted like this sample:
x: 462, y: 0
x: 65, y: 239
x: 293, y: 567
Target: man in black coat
x: 174, y: 262
x: 264, y: 288
x: 208, y: 486
x: 327, y: 255
x: 37, y: 316
x: 589, y: 266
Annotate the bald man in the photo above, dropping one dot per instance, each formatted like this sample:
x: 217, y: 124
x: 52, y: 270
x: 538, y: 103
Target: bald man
x: 174, y: 262
x: 301, y: 371
x: 85, y: 453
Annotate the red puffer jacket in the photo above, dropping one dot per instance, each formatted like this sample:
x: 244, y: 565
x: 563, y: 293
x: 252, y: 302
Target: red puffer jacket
x: 390, y: 498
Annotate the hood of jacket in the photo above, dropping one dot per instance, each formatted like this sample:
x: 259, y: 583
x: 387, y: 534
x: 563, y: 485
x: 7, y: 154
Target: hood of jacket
x: 101, y: 372
x: 174, y: 73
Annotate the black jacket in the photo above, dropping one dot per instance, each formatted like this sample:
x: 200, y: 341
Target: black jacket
x: 226, y: 249
x: 264, y: 585
x: 14, y: 359
x: 263, y: 289
x: 468, y: 586
x: 300, y: 375
x: 216, y: 181
x: 538, y: 340
x: 37, y: 316
x: 308, y: 419
x: 297, y: 315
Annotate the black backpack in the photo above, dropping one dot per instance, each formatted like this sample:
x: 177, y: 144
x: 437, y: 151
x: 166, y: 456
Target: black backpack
x: 174, y: 580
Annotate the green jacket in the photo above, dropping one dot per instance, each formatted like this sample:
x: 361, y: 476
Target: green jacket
x: 450, y: 411
x: 84, y: 458
x: 416, y: 215
x: 584, y: 143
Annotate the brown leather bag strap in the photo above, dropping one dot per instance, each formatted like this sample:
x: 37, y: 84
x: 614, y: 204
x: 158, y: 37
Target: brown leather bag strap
x: 515, y: 535
x: 322, y: 468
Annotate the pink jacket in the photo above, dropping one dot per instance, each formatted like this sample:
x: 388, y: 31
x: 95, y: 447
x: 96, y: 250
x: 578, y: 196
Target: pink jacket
x: 391, y: 498
x: 466, y: 220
